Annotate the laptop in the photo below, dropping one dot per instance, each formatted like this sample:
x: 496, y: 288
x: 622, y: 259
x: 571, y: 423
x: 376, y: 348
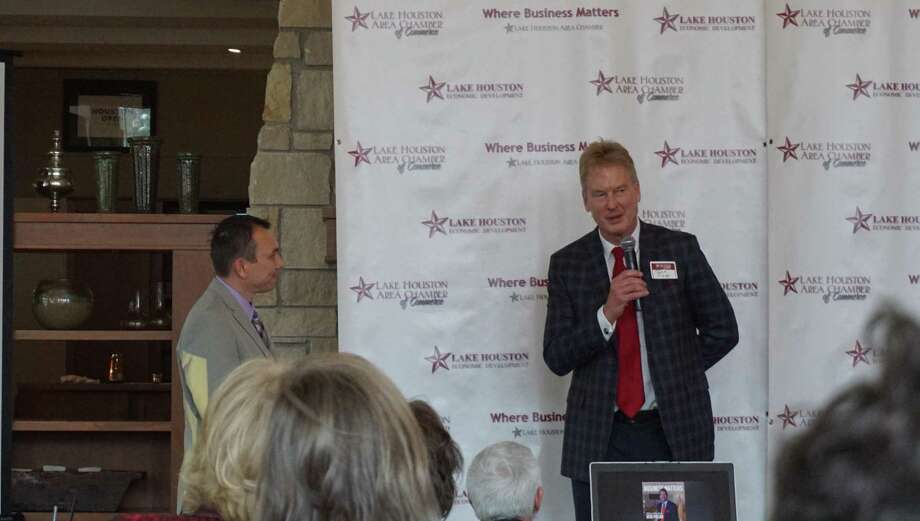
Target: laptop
x: 662, y: 491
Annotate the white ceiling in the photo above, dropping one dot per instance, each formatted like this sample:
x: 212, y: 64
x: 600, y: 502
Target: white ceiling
x: 140, y: 34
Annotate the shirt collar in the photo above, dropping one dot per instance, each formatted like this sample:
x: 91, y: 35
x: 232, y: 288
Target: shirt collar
x: 247, y: 307
x: 609, y: 246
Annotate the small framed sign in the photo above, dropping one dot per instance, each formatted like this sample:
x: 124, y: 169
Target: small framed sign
x: 103, y: 114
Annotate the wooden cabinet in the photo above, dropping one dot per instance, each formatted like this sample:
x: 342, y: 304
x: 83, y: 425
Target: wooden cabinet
x: 136, y: 425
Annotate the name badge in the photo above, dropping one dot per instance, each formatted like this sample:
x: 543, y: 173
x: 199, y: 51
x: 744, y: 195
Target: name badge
x: 663, y: 269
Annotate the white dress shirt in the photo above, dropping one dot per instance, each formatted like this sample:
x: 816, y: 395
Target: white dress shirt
x: 607, y: 329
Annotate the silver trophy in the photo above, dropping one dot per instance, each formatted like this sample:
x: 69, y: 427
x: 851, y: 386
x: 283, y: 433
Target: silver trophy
x: 54, y: 180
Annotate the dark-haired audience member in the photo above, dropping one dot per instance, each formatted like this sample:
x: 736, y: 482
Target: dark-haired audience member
x: 859, y: 461
x: 444, y: 456
x: 343, y: 446
x: 503, y: 483
x: 222, y: 329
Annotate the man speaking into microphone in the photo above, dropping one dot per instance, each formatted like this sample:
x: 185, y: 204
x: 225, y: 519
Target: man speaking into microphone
x: 638, y: 341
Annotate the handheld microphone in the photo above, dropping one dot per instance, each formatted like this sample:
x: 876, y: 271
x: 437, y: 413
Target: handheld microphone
x: 629, y: 259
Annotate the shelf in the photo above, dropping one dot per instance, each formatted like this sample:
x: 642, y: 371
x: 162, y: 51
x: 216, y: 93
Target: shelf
x: 65, y: 516
x: 83, y: 516
x: 90, y: 426
x: 115, y: 231
x: 119, y: 218
x: 78, y: 334
x: 103, y: 387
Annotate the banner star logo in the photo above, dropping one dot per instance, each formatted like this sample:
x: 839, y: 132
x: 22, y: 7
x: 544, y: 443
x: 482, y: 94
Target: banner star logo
x: 859, y: 354
x: 859, y: 87
x: 515, y: 297
x: 789, y: 283
x: 517, y: 432
x: 438, y: 360
x: 433, y: 89
x: 435, y: 224
x: 358, y: 19
x: 667, y: 21
x: 860, y: 220
x: 667, y: 154
x: 602, y: 83
x: 360, y: 154
x: 509, y: 28
x: 789, y: 149
x: 788, y: 417
x: 512, y: 162
x: 788, y: 16
x: 363, y: 289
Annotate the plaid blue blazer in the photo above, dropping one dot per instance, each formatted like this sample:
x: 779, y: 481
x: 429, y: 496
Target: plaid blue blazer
x: 689, y: 326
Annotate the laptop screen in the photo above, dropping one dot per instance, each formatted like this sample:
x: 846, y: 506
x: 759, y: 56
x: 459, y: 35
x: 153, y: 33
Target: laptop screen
x: 662, y: 491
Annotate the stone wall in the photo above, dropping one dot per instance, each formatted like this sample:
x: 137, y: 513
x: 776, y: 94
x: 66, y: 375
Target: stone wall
x: 292, y: 178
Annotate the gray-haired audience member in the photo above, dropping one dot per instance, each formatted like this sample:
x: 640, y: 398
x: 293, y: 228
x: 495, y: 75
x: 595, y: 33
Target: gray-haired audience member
x: 859, y: 460
x: 503, y: 483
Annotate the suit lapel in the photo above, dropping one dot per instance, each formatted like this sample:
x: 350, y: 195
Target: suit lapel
x: 596, y: 265
x: 239, y: 316
x: 649, y: 248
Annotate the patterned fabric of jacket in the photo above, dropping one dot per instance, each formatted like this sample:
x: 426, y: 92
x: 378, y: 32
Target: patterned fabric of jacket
x: 689, y: 326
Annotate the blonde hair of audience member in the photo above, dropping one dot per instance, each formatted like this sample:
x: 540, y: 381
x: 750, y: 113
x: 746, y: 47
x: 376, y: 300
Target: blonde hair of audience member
x: 344, y: 446
x: 223, y: 469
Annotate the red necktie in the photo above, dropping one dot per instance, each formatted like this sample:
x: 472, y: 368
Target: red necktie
x: 630, y: 390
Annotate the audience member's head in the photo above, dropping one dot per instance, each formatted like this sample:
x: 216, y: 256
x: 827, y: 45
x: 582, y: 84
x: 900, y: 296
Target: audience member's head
x: 858, y: 461
x: 444, y: 456
x: 343, y: 446
x: 503, y: 482
x: 223, y: 469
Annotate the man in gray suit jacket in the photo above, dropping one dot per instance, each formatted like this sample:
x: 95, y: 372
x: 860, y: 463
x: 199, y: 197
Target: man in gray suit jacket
x: 639, y: 390
x: 222, y: 329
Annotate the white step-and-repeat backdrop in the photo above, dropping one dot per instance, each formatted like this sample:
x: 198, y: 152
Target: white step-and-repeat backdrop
x: 843, y: 98
x: 458, y: 128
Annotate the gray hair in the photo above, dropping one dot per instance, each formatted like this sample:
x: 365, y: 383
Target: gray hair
x: 502, y: 481
x: 343, y: 446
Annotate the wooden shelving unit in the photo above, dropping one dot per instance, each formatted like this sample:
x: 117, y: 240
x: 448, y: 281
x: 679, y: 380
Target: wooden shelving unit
x: 154, y: 447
